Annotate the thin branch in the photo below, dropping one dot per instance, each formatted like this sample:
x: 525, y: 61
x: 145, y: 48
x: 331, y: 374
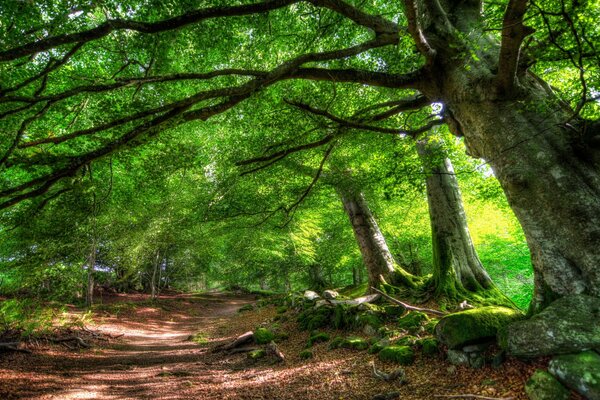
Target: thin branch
x: 408, y: 306
x: 470, y: 396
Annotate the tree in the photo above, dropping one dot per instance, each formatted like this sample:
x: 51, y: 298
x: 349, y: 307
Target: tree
x: 478, y: 59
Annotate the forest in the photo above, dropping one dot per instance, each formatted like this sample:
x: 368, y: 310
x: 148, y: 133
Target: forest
x: 315, y: 199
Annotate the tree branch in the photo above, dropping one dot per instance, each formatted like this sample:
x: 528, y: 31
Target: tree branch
x: 143, y: 27
x: 513, y: 33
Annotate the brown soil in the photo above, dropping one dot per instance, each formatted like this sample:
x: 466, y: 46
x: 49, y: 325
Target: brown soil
x: 155, y: 360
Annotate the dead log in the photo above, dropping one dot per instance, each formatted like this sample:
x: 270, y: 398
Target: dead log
x: 245, y: 349
x: 13, y: 346
x: 274, y: 350
x: 239, y: 341
x: 408, y: 306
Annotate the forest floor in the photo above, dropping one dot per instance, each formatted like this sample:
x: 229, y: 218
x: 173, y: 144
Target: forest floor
x: 154, y: 359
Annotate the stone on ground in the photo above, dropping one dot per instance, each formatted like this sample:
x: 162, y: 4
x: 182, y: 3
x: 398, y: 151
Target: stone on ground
x: 478, y: 325
x: 568, y: 325
x: 543, y: 386
x: 580, y: 372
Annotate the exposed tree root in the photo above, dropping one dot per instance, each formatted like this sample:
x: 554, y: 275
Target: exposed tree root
x: 13, y: 346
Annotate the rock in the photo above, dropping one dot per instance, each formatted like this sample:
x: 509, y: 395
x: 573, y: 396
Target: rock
x: 476, y: 360
x: 429, y: 346
x: 315, y: 318
x: 477, y: 348
x: 355, y: 343
x: 457, y: 357
x: 413, y: 321
x: 317, y: 338
x: 263, y: 336
x: 543, y: 386
x: 311, y: 296
x: 474, y: 326
x: 369, y: 330
x: 330, y: 294
x: 394, y: 310
x: 568, y: 325
x: 402, y: 355
x: 580, y: 372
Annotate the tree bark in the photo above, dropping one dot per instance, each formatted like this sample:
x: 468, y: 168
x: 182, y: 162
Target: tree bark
x: 153, y: 282
x: 456, y: 265
x: 551, y: 178
x: 376, y: 256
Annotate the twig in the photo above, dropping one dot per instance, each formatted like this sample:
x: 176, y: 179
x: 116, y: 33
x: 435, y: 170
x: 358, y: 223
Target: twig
x: 408, y: 306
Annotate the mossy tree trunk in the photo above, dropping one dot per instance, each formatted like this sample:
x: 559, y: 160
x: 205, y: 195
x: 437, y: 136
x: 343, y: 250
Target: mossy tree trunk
x: 456, y: 265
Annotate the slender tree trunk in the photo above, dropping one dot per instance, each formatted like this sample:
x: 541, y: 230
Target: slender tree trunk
x: 456, y: 265
x: 153, y: 283
x: 550, y: 173
x: 375, y: 253
x: 316, y: 278
x: 89, y: 289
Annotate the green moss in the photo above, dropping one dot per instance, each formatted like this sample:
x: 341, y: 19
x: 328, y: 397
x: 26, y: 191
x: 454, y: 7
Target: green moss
x: 402, y: 355
x: 247, y: 307
x: 281, y: 309
x: 429, y: 346
x: 430, y: 326
x: 474, y: 326
x: 315, y: 318
x: 343, y: 317
x: 306, y: 354
x: 368, y: 318
x: 394, y: 311
x: 257, y: 354
x: 355, y: 343
x: 317, y: 338
x: 199, y: 338
x: 543, y: 386
x: 412, y: 321
x: 263, y: 335
x: 375, y: 348
x: 354, y: 291
x: 407, y: 340
x: 336, y: 343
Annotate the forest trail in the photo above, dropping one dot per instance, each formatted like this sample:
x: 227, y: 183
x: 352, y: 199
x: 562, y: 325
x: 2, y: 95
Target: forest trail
x: 156, y: 360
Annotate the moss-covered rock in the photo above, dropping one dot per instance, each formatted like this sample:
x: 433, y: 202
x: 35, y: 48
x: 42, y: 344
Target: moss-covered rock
x: 474, y: 326
x: 306, y: 354
x: 407, y: 340
x: 317, y: 338
x: 247, y: 307
x: 402, y: 355
x: 257, y: 354
x: 543, y: 386
x: 568, y: 325
x: 343, y: 317
x: 378, y: 346
x: 354, y: 343
x: 394, y: 311
x: 430, y: 326
x: 580, y: 372
x: 429, y: 346
x: 282, y: 309
x: 263, y: 335
x: 412, y: 321
x: 336, y: 343
x: 368, y: 319
x: 315, y: 318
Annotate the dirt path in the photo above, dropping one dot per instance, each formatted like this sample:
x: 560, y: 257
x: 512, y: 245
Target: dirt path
x: 155, y: 360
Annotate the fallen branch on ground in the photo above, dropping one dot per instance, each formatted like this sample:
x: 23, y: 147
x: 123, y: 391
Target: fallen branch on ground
x: 13, y: 346
x: 245, y: 349
x: 408, y: 306
x: 240, y: 340
x: 397, y: 374
x: 77, y: 339
x: 274, y: 350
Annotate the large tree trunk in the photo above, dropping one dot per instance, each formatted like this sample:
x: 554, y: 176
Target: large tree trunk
x: 376, y: 256
x: 456, y: 265
x: 551, y: 178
